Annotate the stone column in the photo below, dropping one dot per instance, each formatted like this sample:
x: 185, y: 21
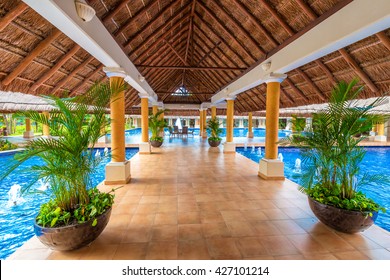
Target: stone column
x: 118, y: 170
x: 229, y: 146
x: 144, y: 146
x: 270, y: 167
x: 45, y: 128
x: 29, y: 133
x: 250, y: 125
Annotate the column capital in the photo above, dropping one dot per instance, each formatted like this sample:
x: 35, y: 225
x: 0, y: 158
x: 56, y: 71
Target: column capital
x: 114, y: 72
x: 142, y: 95
x: 231, y: 98
x: 275, y: 77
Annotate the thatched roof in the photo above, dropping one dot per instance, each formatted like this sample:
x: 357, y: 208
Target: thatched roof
x: 17, y: 101
x: 201, y: 45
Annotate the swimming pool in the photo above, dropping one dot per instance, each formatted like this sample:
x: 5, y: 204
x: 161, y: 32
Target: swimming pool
x: 133, y: 136
x: 377, y: 160
x: 16, y: 221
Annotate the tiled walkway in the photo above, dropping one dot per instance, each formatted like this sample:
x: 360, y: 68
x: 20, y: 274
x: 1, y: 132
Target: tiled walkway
x: 189, y: 203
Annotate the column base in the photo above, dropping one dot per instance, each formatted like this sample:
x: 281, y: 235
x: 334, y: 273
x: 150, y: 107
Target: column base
x: 249, y: 134
x: 117, y: 173
x: 229, y: 147
x: 144, y: 148
x: 380, y: 138
x: 28, y: 134
x: 204, y: 134
x: 271, y: 169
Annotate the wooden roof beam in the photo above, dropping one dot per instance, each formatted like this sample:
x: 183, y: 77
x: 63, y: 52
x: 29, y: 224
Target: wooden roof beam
x: 130, y: 21
x: 77, y: 88
x: 228, y: 32
x: 54, y: 69
x: 71, y: 74
x: 326, y: 70
x: 288, y: 96
x: 109, y: 16
x: 191, y: 26
x: 307, y: 9
x: 12, y: 14
x: 31, y: 56
x: 313, y: 85
x: 358, y: 70
x: 254, y: 20
x: 157, y: 18
x: 208, y: 53
x: 384, y: 39
x: 175, y: 52
x: 295, y: 89
x: 277, y: 17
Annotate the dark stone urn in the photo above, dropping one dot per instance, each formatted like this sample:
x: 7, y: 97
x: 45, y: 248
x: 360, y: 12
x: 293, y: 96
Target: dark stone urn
x: 155, y: 144
x: 340, y: 219
x: 72, y: 237
x: 214, y: 143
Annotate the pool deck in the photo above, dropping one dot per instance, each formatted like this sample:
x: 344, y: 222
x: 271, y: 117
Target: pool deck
x: 187, y: 202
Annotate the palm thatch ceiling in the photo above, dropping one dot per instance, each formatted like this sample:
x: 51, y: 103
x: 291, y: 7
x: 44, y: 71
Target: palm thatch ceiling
x: 188, y: 50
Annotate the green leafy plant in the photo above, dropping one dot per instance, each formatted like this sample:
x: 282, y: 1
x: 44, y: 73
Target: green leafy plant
x: 157, y: 125
x: 6, y: 145
x: 69, y: 159
x: 298, y: 123
x: 214, y: 130
x: 331, y: 153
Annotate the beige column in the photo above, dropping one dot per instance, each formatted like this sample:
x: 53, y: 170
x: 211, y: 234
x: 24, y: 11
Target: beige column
x: 154, y: 109
x: 201, y: 122
x: 270, y: 168
x: 250, y: 125
x: 204, y: 135
x: 144, y: 147
x: 213, y: 112
x: 229, y: 146
x: 45, y: 128
x: 118, y: 170
x: 29, y: 133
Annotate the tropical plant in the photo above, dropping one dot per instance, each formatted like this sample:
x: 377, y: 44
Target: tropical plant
x: 157, y: 125
x: 214, y: 130
x: 331, y: 153
x: 6, y: 145
x: 68, y: 160
x: 298, y: 123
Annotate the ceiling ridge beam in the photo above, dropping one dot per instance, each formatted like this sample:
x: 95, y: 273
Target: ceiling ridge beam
x: 191, y: 27
x: 190, y: 68
x: 228, y: 32
x: 31, y: 56
x: 12, y: 14
x: 55, y: 67
x: 358, y: 70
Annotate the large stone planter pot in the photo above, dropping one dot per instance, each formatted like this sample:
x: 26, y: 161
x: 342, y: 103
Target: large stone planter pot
x: 155, y: 144
x: 214, y: 143
x: 72, y: 237
x: 340, y: 219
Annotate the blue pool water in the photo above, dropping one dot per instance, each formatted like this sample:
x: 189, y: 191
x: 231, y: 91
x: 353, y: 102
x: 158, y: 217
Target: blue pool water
x: 133, y: 136
x: 16, y: 221
x: 376, y: 160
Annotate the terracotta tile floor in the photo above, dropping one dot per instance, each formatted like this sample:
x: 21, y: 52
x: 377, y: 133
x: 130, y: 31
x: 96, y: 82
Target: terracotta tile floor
x: 191, y: 203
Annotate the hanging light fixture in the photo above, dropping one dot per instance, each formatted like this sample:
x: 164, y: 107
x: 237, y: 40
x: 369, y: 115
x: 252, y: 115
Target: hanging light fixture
x: 84, y: 11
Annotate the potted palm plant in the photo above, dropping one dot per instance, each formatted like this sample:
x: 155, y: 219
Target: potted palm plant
x: 214, y: 131
x: 331, y: 157
x: 77, y: 211
x: 156, y: 126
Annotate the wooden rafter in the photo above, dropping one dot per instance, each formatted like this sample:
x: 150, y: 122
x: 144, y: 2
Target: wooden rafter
x: 131, y: 20
x: 295, y: 89
x: 86, y: 80
x: 384, y: 39
x: 109, y: 16
x: 358, y: 70
x: 191, y: 26
x: 288, y: 96
x: 12, y: 14
x: 326, y: 70
x: 71, y: 74
x: 227, y: 31
x: 54, y: 69
x: 175, y: 52
x: 258, y: 95
x: 190, y: 68
x: 208, y: 53
x: 313, y: 85
x: 31, y: 56
x: 306, y: 8
x: 277, y: 17
x: 156, y: 19
x: 256, y: 22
